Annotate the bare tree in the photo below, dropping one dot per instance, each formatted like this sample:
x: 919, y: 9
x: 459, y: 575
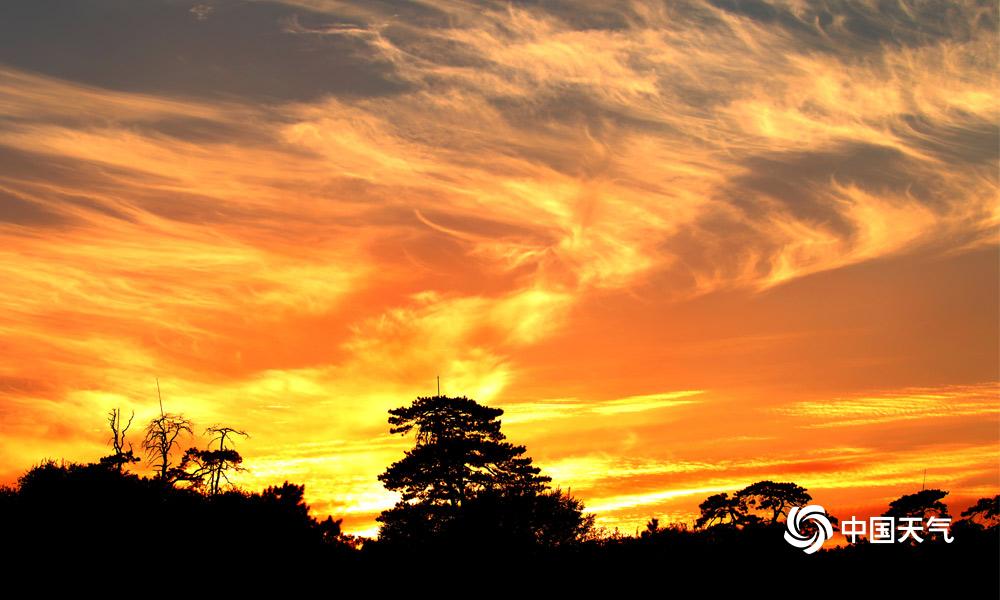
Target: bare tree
x: 161, y: 437
x: 121, y: 456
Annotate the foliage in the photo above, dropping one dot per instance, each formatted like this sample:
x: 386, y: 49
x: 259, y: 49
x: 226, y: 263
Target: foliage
x: 985, y: 512
x: 769, y: 500
x: 210, y: 467
x: 112, y: 512
x: 462, y: 483
x: 459, y: 452
x: 719, y: 509
x: 761, y: 502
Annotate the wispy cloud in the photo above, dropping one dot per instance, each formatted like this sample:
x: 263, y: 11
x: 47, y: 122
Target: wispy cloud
x: 903, y: 405
x: 544, y: 410
x: 298, y: 214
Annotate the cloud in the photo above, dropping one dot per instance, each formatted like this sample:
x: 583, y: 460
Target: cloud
x: 903, y: 405
x: 233, y: 49
x: 626, y: 491
x: 545, y: 410
x: 298, y: 214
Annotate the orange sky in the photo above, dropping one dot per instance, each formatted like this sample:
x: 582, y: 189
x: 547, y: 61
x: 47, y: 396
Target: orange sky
x: 684, y: 247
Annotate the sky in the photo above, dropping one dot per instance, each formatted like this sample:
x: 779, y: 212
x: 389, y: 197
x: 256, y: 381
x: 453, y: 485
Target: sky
x: 685, y: 246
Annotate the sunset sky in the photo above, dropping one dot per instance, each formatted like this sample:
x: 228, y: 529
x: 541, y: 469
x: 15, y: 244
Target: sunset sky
x: 685, y: 246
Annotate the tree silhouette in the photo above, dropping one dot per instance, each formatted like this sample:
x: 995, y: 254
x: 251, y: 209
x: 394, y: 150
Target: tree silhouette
x: 87, y: 514
x: 463, y: 483
x: 719, y: 509
x: 546, y: 519
x: 761, y: 502
x: 985, y: 512
x: 502, y: 526
x: 120, y: 457
x: 212, y: 465
x: 161, y: 437
x: 459, y: 451
x: 921, y: 505
x: 773, y: 499
x: 652, y: 527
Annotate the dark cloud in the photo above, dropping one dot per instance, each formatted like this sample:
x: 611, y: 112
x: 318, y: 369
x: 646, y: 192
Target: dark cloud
x: 198, y: 130
x: 967, y: 139
x: 186, y: 128
x: 798, y: 185
x: 241, y: 49
x: 900, y: 435
x: 584, y: 14
x: 131, y: 190
x: 851, y: 26
x: 28, y: 172
x: 421, y: 44
x: 716, y: 243
x: 17, y: 211
x: 23, y: 385
x: 839, y: 26
x: 800, y: 181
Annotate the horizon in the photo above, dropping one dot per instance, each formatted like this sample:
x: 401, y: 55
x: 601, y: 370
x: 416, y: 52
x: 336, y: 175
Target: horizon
x: 685, y: 247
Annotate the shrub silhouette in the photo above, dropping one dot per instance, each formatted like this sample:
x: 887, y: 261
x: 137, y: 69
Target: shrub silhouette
x: 76, y: 512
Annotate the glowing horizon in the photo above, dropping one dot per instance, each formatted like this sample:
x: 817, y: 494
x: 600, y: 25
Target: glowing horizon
x: 685, y: 247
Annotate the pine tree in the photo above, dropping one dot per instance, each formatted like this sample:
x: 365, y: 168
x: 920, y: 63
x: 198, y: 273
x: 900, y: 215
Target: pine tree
x: 462, y: 478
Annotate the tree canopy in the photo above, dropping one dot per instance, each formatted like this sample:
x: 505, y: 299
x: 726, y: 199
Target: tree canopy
x: 985, y: 512
x: 765, y: 501
x: 459, y: 452
x: 462, y: 479
x: 770, y: 500
x: 923, y: 504
x: 719, y: 509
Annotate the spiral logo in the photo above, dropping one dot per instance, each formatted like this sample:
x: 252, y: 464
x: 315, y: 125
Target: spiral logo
x: 822, y: 531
